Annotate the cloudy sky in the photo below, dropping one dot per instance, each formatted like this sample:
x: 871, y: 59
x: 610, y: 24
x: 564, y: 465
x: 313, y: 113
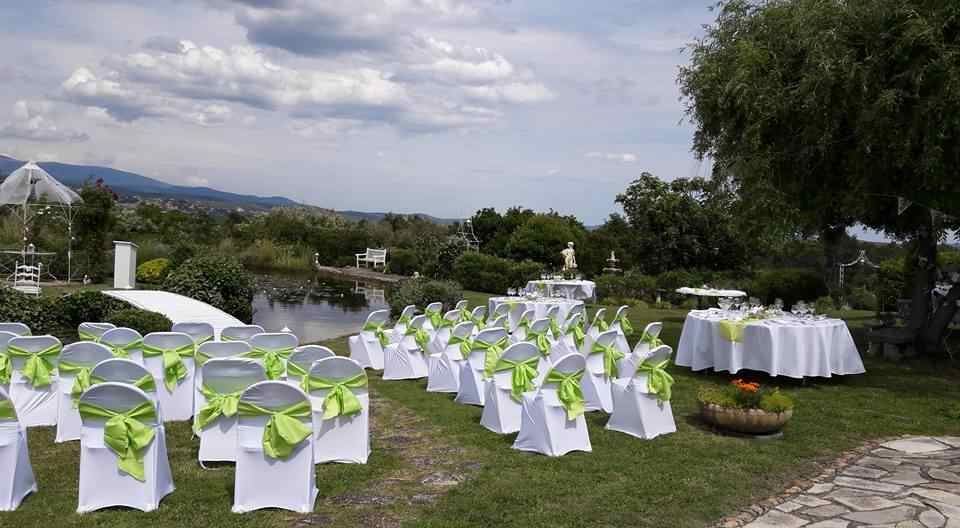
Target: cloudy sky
x: 435, y: 106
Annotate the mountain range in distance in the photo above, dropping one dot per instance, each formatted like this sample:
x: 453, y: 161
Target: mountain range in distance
x: 131, y: 183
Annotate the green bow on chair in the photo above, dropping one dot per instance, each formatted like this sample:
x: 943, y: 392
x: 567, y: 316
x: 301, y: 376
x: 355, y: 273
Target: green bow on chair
x: 7, y: 412
x: 555, y: 327
x: 174, y: 369
x: 465, y: 315
x: 284, y: 431
x: 600, y: 323
x: 218, y: 404
x: 610, y: 357
x: 38, y: 368
x: 578, y: 334
x: 540, y: 339
x: 340, y: 401
x: 659, y: 381
x: 123, y: 351
x: 125, y: 434
x: 87, y: 336
x: 466, y: 345
x: 273, y: 359
x: 625, y: 325
x: 378, y: 331
x: 521, y: 380
x: 294, y: 370
x: 6, y: 367
x: 479, y: 322
x: 493, y: 353
x: 568, y: 392
x: 435, y: 318
x: 651, y: 340
x: 404, y: 320
x: 446, y: 323
x: 81, y: 379
x: 523, y: 323
x: 145, y: 383
x: 420, y: 336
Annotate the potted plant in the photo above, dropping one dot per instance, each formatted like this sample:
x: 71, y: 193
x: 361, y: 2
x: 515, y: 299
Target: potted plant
x: 745, y: 407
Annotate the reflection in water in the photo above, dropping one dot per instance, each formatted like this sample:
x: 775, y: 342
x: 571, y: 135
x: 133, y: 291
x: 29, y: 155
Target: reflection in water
x: 314, y: 307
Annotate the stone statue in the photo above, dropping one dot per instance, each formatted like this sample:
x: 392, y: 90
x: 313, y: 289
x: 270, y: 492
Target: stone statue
x: 569, y: 258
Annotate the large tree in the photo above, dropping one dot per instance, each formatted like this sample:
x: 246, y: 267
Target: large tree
x: 828, y: 111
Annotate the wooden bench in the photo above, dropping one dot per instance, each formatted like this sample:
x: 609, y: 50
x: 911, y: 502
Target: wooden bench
x: 372, y: 256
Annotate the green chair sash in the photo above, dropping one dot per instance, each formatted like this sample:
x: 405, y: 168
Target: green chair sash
x: 578, y: 334
x: 521, y: 380
x: 218, y: 404
x: 272, y: 359
x: 123, y: 351
x: 38, y: 368
x: 540, y: 339
x: 420, y: 336
x: 601, y: 324
x: 174, y: 369
x: 284, y: 431
x: 446, y: 323
x: 435, y: 318
x: 294, y: 370
x: 145, y: 383
x: 493, y: 353
x: 659, y: 381
x: 340, y: 400
x: 478, y: 322
x: 733, y: 330
x: 651, y: 340
x: 568, y: 391
x: 555, y: 328
x: 125, y: 434
x: 523, y: 323
x: 6, y: 368
x: 404, y: 320
x: 625, y: 326
x: 466, y: 345
x: 7, y: 412
x: 465, y: 315
x: 87, y: 336
x: 81, y: 378
x: 610, y: 357
x: 378, y: 331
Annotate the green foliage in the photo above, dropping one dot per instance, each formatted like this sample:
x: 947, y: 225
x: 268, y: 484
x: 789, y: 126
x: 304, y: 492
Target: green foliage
x: 732, y: 396
x: 142, y: 321
x: 824, y: 304
x: 523, y: 272
x: 153, y: 271
x: 216, y: 280
x: 487, y: 273
x: 791, y: 285
x: 421, y: 292
x: 403, y: 261
x: 182, y: 252
x: 39, y: 314
x: 892, y: 282
x: 61, y: 316
x: 776, y: 402
x: 92, y: 224
x: 631, y: 285
x: 86, y: 306
x: 860, y: 298
x: 543, y: 236
x: 267, y: 255
x: 446, y: 257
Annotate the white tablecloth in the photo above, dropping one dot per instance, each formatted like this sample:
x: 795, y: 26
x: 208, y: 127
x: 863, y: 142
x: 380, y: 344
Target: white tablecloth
x: 539, y: 306
x: 779, y: 347
x: 710, y: 292
x: 569, y: 289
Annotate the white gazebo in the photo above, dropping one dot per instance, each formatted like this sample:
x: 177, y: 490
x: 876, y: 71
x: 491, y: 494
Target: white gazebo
x: 34, y: 192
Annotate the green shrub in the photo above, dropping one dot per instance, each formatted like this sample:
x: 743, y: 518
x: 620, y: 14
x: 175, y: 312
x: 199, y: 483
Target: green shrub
x: 403, y: 261
x: 421, y: 292
x: 824, y: 304
x: 523, y: 272
x: 480, y: 272
x: 631, y: 285
x: 892, y: 282
x: 142, y: 321
x: 776, y: 402
x: 39, y: 314
x: 788, y: 284
x: 181, y: 253
x: 216, y: 280
x: 153, y: 271
x: 734, y: 396
x: 861, y: 298
x: 448, y: 254
x: 86, y: 306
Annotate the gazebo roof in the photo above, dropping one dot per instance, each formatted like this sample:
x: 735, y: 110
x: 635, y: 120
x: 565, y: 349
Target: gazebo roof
x: 30, y: 183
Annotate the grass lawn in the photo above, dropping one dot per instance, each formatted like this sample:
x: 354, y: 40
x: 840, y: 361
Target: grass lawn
x: 423, y: 444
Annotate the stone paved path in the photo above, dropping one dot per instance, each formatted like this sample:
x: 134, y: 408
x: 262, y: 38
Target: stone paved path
x: 912, y: 482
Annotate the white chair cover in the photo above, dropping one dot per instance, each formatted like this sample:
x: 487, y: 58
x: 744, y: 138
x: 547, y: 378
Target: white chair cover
x: 84, y: 354
x: 622, y: 343
x: 444, y: 366
x: 344, y: 439
x: 19, y: 329
x: 365, y: 348
x: 519, y: 332
x: 594, y: 329
x: 438, y: 341
x: 121, y: 337
x: 567, y: 344
x: 178, y: 404
x: 16, y: 477
x: 221, y: 350
x: 200, y: 332
x: 396, y: 334
x: 122, y: 370
x: 264, y: 482
x: 502, y: 321
x: 432, y: 307
x: 102, y: 485
x: 36, y: 406
x: 472, y: 383
x: 541, y: 326
x: 628, y: 365
x: 218, y: 440
x: 479, y: 314
x: 462, y: 304
x: 304, y: 358
x: 501, y: 413
x: 240, y: 333
x: 275, y: 341
x: 405, y: 359
x: 94, y: 329
x: 544, y: 427
x: 577, y: 309
x: 636, y: 411
x: 596, y: 384
x: 5, y: 338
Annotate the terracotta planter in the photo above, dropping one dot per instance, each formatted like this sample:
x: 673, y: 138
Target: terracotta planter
x: 748, y: 421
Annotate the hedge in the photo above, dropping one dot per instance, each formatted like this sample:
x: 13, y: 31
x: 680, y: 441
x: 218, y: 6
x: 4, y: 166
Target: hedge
x: 486, y: 273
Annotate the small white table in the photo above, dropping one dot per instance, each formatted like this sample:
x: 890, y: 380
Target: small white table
x: 539, y: 307
x: 711, y: 292
x: 568, y: 289
x: 782, y: 346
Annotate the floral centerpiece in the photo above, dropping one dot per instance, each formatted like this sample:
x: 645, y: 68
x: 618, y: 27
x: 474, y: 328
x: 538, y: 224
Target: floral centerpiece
x: 745, y: 407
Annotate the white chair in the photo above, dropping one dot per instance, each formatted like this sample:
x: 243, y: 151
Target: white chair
x: 122, y: 370
x: 35, y: 396
x: 550, y: 425
x: 240, y: 333
x: 596, y: 381
x: 433, y: 311
x: 521, y: 325
x: 174, y: 383
x: 572, y: 339
x: 539, y: 334
x: 200, y: 332
x: 577, y: 309
x: 272, y: 350
x: 220, y: 350
x: 441, y: 335
x: 502, y: 402
x: 110, y: 475
x: 444, y: 366
x: 269, y: 476
x: 650, y: 336
x: 93, y: 331
x: 366, y: 348
x: 637, y: 409
x: 623, y: 327
x: 502, y: 321
x: 598, y: 324
x: 478, y: 317
x: 215, y: 421
x: 556, y: 324
x: 341, y: 411
x: 400, y: 327
x: 405, y: 359
x: 302, y: 359
x: 16, y: 478
x: 489, y: 342
x: 124, y: 343
x: 15, y: 328
x: 75, y: 367
x: 461, y: 305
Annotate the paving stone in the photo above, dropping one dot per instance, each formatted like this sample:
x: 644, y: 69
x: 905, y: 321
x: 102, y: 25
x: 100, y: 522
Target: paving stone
x: 950, y: 512
x: 819, y: 489
x: 941, y: 474
x: 853, y: 482
x: 932, y: 519
x: 789, y: 506
x: 778, y: 519
x: 883, y: 463
x: 917, y: 445
x: 909, y: 524
x: 934, y: 462
x: 864, y: 503
x: 888, y: 516
x: 864, y: 472
x: 906, y: 477
x: 809, y: 500
x: 830, y: 510
x: 952, y: 441
x: 945, y: 486
x: 830, y: 523
x: 937, y: 495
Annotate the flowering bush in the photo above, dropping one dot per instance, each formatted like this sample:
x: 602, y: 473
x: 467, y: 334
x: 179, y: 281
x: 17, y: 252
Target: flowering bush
x: 740, y: 394
x: 153, y: 271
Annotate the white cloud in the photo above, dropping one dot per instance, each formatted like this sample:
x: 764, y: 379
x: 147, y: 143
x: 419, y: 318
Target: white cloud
x: 31, y: 122
x: 624, y: 157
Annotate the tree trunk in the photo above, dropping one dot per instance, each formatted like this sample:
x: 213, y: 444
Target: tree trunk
x: 932, y: 336
x: 830, y: 238
x: 924, y: 275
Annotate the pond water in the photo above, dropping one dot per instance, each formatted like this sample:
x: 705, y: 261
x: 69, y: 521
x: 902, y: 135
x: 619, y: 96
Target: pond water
x: 315, y: 307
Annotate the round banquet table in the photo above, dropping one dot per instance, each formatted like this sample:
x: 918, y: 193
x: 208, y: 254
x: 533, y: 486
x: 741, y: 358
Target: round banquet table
x: 568, y: 289
x: 783, y: 346
x: 539, y: 306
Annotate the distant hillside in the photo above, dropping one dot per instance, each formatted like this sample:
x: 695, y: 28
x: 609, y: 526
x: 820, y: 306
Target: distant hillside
x: 376, y: 217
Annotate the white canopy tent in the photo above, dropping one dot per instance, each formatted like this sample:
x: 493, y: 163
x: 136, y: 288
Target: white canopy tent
x: 33, y: 191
